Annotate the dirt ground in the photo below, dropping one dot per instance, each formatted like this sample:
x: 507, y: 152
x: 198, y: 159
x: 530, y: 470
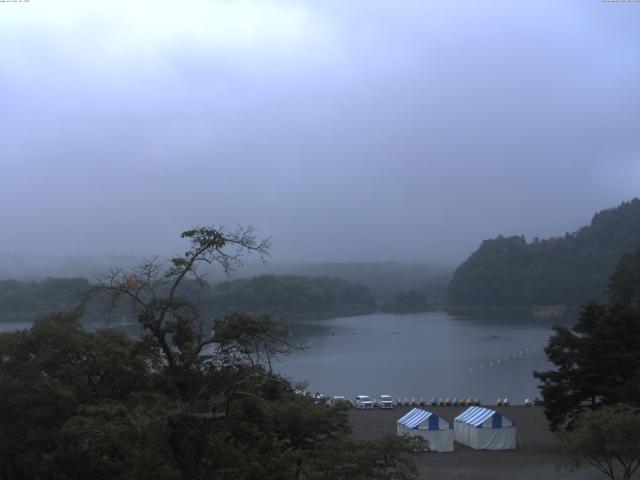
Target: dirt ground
x: 537, y: 456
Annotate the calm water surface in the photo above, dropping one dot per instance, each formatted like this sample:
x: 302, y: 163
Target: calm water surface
x: 422, y: 355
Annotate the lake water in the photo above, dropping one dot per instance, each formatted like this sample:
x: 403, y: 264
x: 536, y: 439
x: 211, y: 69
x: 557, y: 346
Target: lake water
x: 422, y: 355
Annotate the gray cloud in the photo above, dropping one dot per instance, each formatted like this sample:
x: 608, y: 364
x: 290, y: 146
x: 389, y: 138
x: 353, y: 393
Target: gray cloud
x: 345, y: 130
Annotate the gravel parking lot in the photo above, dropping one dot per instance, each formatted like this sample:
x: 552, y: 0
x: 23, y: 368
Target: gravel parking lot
x: 537, y: 456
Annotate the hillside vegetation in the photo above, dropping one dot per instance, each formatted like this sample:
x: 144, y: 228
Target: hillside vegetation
x: 288, y: 295
x: 384, y: 279
x: 29, y: 300
x: 407, y: 302
x: 570, y: 270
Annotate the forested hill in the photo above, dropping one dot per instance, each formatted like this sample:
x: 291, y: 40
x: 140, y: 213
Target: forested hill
x: 570, y: 270
x: 288, y: 295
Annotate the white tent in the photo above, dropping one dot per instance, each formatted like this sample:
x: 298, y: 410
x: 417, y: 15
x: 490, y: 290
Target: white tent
x: 484, y: 429
x: 429, y: 426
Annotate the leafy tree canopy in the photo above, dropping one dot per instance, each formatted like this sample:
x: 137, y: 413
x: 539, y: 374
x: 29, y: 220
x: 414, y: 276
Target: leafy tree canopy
x: 181, y: 402
x: 607, y: 439
x: 571, y: 269
x: 597, y: 361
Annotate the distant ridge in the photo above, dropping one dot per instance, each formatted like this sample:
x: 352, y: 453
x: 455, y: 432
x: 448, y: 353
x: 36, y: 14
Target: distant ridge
x: 384, y: 279
x: 35, y: 267
x: 570, y: 270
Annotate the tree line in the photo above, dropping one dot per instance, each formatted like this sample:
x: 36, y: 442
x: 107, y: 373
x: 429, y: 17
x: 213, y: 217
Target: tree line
x: 592, y: 396
x: 411, y: 301
x: 570, y: 270
x: 288, y: 295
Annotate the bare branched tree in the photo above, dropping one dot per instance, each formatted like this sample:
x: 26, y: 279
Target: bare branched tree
x: 152, y: 288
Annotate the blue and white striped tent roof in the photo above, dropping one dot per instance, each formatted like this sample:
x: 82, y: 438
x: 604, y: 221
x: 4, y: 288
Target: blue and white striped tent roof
x: 476, y: 416
x: 417, y: 416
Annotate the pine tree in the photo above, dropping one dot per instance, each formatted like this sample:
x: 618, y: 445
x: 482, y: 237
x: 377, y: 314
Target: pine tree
x: 598, y: 359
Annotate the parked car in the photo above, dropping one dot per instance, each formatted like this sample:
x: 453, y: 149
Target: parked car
x: 363, y: 402
x: 338, y: 400
x: 385, y: 401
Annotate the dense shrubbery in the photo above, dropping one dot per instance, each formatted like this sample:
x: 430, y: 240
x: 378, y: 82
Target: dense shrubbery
x: 180, y: 402
x: 76, y: 405
x: 607, y: 439
x: 568, y: 270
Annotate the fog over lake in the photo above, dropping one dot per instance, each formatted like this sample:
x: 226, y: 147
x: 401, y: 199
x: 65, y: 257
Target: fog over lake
x: 422, y: 355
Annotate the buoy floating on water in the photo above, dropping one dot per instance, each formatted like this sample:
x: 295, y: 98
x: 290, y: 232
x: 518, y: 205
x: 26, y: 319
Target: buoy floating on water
x: 500, y: 361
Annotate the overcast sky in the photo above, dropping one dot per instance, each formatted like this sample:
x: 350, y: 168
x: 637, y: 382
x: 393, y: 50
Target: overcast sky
x: 346, y: 130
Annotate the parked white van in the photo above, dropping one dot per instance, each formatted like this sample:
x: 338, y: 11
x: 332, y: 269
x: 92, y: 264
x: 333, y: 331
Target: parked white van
x: 364, y: 402
x: 385, y: 401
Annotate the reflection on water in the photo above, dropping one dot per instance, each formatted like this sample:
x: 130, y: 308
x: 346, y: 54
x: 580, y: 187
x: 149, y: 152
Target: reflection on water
x: 422, y: 355
x: 425, y: 355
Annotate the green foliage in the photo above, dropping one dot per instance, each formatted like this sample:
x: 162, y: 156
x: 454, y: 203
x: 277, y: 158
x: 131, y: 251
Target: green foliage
x: 571, y: 270
x: 289, y: 295
x: 47, y: 374
x: 76, y: 405
x: 624, y: 284
x: 407, y: 302
x: 175, y: 404
x: 384, y: 279
x: 255, y: 340
x: 28, y: 300
x: 597, y: 360
x: 607, y: 439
